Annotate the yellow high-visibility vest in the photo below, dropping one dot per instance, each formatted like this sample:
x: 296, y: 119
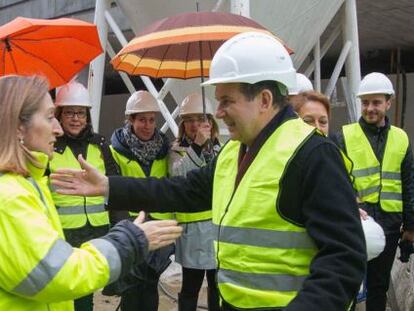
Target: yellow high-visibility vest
x: 75, y: 211
x: 374, y: 181
x: 39, y: 269
x: 262, y: 258
x: 132, y: 168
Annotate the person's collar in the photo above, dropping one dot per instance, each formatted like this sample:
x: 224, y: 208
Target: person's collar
x: 38, y: 171
x: 372, y: 127
x: 286, y: 113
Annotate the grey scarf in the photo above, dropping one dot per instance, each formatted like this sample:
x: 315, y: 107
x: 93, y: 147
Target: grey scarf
x: 145, y: 151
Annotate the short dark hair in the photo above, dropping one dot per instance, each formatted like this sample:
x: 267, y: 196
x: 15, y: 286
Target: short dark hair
x: 250, y: 91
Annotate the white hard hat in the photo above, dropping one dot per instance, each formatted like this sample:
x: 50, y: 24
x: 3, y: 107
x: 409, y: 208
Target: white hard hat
x: 141, y: 101
x: 193, y: 104
x: 303, y: 84
x: 375, y: 83
x: 374, y: 237
x: 252, y: 57
x: 73, y: 94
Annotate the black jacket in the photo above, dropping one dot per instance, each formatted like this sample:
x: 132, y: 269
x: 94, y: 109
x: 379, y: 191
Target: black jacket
x: 377, y: 137
x: 315, y: 192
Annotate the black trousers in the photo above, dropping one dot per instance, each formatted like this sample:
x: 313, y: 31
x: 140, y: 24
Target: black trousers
x: 84, y: 303
x: 193, y: 279
x: 378, y: 274
x: 143, y: 297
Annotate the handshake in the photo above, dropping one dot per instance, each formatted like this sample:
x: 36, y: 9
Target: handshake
x: 406, y: 249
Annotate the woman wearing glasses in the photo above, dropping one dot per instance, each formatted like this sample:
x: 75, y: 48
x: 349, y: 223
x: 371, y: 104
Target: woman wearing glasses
x: 82, y: 218
x: 196, y: 145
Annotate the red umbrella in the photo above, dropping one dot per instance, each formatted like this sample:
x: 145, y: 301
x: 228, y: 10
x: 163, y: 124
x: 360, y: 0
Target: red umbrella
x: 174, y: 46
x: 57, y: 49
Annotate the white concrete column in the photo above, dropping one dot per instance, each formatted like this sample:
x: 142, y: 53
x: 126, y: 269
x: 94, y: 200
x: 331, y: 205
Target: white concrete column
x: 317, y: 60
x: 352, y: 65
x: 97, y: 67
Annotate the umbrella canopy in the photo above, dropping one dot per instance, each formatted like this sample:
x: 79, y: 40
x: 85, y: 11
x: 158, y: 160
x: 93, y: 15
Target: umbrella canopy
x: 174, y: 46
x: 57, y: 48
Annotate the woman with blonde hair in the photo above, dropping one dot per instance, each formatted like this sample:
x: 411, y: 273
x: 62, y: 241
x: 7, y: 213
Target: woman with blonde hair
x: 39, y: 270
x: 196, y: 145
x: 314, y: 108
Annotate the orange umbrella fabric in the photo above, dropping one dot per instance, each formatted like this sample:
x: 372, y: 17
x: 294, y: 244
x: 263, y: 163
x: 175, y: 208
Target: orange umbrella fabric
x: 57, y: 49
x: 170, y: 48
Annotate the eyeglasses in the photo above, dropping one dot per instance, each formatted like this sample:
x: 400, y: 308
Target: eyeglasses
x: 193, y: 119
x: 71, y: 114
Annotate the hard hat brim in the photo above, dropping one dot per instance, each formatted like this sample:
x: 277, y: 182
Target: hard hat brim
x: 287, y: 77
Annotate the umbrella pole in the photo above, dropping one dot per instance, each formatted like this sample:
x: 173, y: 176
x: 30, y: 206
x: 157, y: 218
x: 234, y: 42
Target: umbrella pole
x: 203, y: 93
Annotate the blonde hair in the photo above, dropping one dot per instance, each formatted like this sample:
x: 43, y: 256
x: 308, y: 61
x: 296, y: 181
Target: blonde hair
x: 21, y: 99
x: 214, y: 128
x: 304, y: 97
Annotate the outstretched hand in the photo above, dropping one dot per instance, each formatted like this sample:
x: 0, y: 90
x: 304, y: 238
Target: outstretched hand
x: 159, y: 233
x: 87, y: 181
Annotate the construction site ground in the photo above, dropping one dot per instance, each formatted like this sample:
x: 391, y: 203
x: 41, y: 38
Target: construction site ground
x: 400, y: 295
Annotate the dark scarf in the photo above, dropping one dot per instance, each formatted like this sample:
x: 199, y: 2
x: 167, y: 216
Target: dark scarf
x: 145, y: 151
x: 79, y: 144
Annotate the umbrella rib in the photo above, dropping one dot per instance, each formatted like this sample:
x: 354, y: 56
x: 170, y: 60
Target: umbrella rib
x: 186, y: 59
x: 4, y: 62
x: 41, y: 59
x: 53, y: 39
x: 162, y: 59
x: 140, y: 60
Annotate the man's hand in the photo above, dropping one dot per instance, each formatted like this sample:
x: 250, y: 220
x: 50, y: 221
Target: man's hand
x: 85, y: 182
x: 159, y: 233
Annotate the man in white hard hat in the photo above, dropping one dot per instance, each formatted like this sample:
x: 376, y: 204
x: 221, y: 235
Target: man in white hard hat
x: 303, y: 84
x: 383, y: 173
x: 288, y: 230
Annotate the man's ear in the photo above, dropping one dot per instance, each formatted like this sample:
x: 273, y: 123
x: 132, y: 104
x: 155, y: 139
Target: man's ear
x: 388, y: 105
x: 266, y: 99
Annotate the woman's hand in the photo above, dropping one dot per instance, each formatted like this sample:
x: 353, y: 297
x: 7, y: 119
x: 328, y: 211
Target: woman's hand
x: 85, y: 182
x: 203, y: 133
x: 159, y: 233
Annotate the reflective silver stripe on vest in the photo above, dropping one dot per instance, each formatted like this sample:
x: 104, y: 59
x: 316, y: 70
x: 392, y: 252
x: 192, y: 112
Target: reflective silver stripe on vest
x: 391, y: 196
x: 391, y: 175
x: 366, y: 171
x: 76, y: 210
x: 364, y: 192
x: 261, y: 281
x: 46, y: 269
x: 265, y: 238
x: 111, y: 254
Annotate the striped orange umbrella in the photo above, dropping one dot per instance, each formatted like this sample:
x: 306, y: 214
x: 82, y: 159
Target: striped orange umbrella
x: 174, y: 46
x: 57, y: 48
